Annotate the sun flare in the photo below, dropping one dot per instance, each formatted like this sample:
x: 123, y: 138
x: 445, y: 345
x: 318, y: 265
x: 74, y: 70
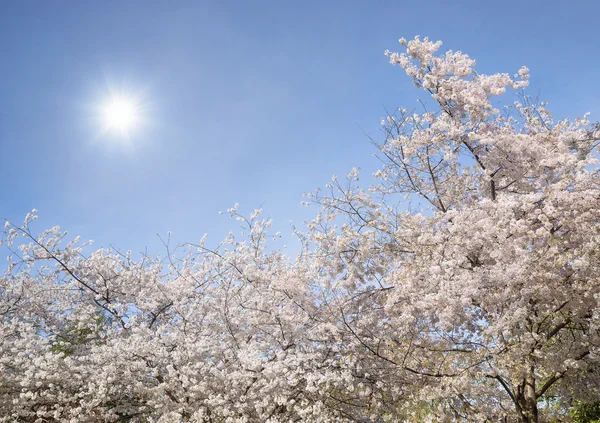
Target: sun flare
x: 121, y: 114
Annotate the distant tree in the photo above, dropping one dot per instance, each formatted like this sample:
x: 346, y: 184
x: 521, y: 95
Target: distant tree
x: 462, y: 286
x: 586, y: 412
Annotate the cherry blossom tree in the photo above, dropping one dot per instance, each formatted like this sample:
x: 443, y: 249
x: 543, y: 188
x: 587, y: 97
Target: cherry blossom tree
x: 483, y: 289
x: 461, y: 286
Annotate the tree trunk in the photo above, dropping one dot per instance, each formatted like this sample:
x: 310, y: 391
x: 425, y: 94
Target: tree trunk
x: 528, y: 408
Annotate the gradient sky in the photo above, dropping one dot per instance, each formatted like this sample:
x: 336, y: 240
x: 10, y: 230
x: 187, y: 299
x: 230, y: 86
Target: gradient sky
x: 245, y: 101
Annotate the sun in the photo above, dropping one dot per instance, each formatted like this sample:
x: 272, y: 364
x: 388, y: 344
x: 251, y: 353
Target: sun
x: 121, y: 114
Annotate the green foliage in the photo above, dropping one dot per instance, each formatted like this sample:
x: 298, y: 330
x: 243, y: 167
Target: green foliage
x: 586, y: 412
x: 69, y: 340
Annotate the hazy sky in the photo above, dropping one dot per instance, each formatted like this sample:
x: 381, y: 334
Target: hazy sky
x: 244, y: 101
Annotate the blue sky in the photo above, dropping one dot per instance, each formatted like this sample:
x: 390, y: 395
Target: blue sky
x: 250, y: 102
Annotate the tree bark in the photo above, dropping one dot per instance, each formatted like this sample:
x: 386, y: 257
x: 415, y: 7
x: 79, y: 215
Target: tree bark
x: 528, y: 400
